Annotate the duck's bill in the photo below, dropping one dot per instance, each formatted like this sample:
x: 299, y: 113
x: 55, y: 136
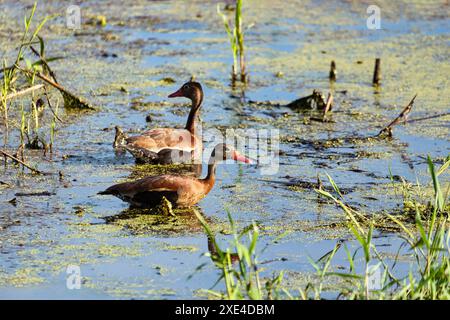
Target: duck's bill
x: 239, y: 157
x: 178, y: 93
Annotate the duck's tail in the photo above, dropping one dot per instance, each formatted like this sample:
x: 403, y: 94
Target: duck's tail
x: 119, y: 140
x: 104, y: 192
x: 111, y: 190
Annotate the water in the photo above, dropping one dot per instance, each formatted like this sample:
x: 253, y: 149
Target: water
x: 152, y: 258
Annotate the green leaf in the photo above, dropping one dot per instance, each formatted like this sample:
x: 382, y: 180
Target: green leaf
x: 41, y: 46
x: 344, y: 275
x: 443, y: 168
x: 368, y: 242
x: 28, y: 21
x: 419, y: 225
x: 28, y: 64
x: 334, y: 185
x: 436, y: 185
x: 41, y: 24
x: 254, y: 239
x: 401, y: 225
x: 40, y: 62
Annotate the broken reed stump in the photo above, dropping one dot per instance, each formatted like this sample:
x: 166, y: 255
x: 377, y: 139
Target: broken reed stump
x: 329, y: 104
x: 333, y: 71
x: 326, y: 110
x: 377, y: 72
x: 403, y: 116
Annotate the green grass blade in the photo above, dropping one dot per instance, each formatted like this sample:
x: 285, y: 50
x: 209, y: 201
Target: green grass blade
x: 334, y: 185
x: 436, y: 185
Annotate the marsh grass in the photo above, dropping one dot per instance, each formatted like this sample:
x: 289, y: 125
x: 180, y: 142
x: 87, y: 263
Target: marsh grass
x: 426, y: 241
x: 239, y: 266
x: 53, y: 126
x: 236, y: 37
x: 22, y: 103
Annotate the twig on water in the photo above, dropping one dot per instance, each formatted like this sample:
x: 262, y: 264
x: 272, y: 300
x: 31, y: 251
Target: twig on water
x: 46, y: 79
x: 434, y: 116
x: 403, y: 116
x: 6, y: 154
x: 34, y: 194
x: 66, y: 94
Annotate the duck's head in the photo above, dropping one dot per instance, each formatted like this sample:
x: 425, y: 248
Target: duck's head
x: 191, y: 90
x: 222, y: 151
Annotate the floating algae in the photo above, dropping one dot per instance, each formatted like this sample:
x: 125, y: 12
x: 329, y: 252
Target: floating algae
x: 151, y: 221
x: 44, y: 235
x: 20, y: 278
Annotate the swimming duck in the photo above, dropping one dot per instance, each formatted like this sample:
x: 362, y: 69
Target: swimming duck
x: 168, y: 145
x: 181, y: 191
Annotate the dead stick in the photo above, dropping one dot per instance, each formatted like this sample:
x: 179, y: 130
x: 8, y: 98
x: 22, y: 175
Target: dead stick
x: 329, y: 103
x: 21, y: 162
x: 57, y: 86
x: 24, y: 91
x: 434, y: 116
x: 377, y: 72
x: 402, y: 115
x: 49, y: 81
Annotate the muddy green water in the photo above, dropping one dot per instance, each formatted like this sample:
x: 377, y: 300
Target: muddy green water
x: 125, y: 69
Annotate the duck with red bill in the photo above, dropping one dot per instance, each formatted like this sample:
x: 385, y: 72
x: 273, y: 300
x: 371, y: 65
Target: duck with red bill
x: 181, y: 191
x: 159, y: 144
x: 178, y: 93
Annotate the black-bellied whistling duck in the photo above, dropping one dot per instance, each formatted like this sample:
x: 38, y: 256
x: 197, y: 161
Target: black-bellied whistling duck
x: 168, y: 145
x: 181, y: 191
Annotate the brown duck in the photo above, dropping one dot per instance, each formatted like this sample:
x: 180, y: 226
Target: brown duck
x: 181, y: 191
x: 168, y: 145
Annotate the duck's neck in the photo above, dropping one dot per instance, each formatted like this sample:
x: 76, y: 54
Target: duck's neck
x: 210, y: 178
x: 193, y: 114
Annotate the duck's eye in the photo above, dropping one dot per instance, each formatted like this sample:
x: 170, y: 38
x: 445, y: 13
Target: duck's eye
x: 186, y: 86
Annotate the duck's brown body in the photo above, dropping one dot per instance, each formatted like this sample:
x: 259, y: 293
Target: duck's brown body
x: 164, y: 146
x: 181, y: 191
x: 168, y: 145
